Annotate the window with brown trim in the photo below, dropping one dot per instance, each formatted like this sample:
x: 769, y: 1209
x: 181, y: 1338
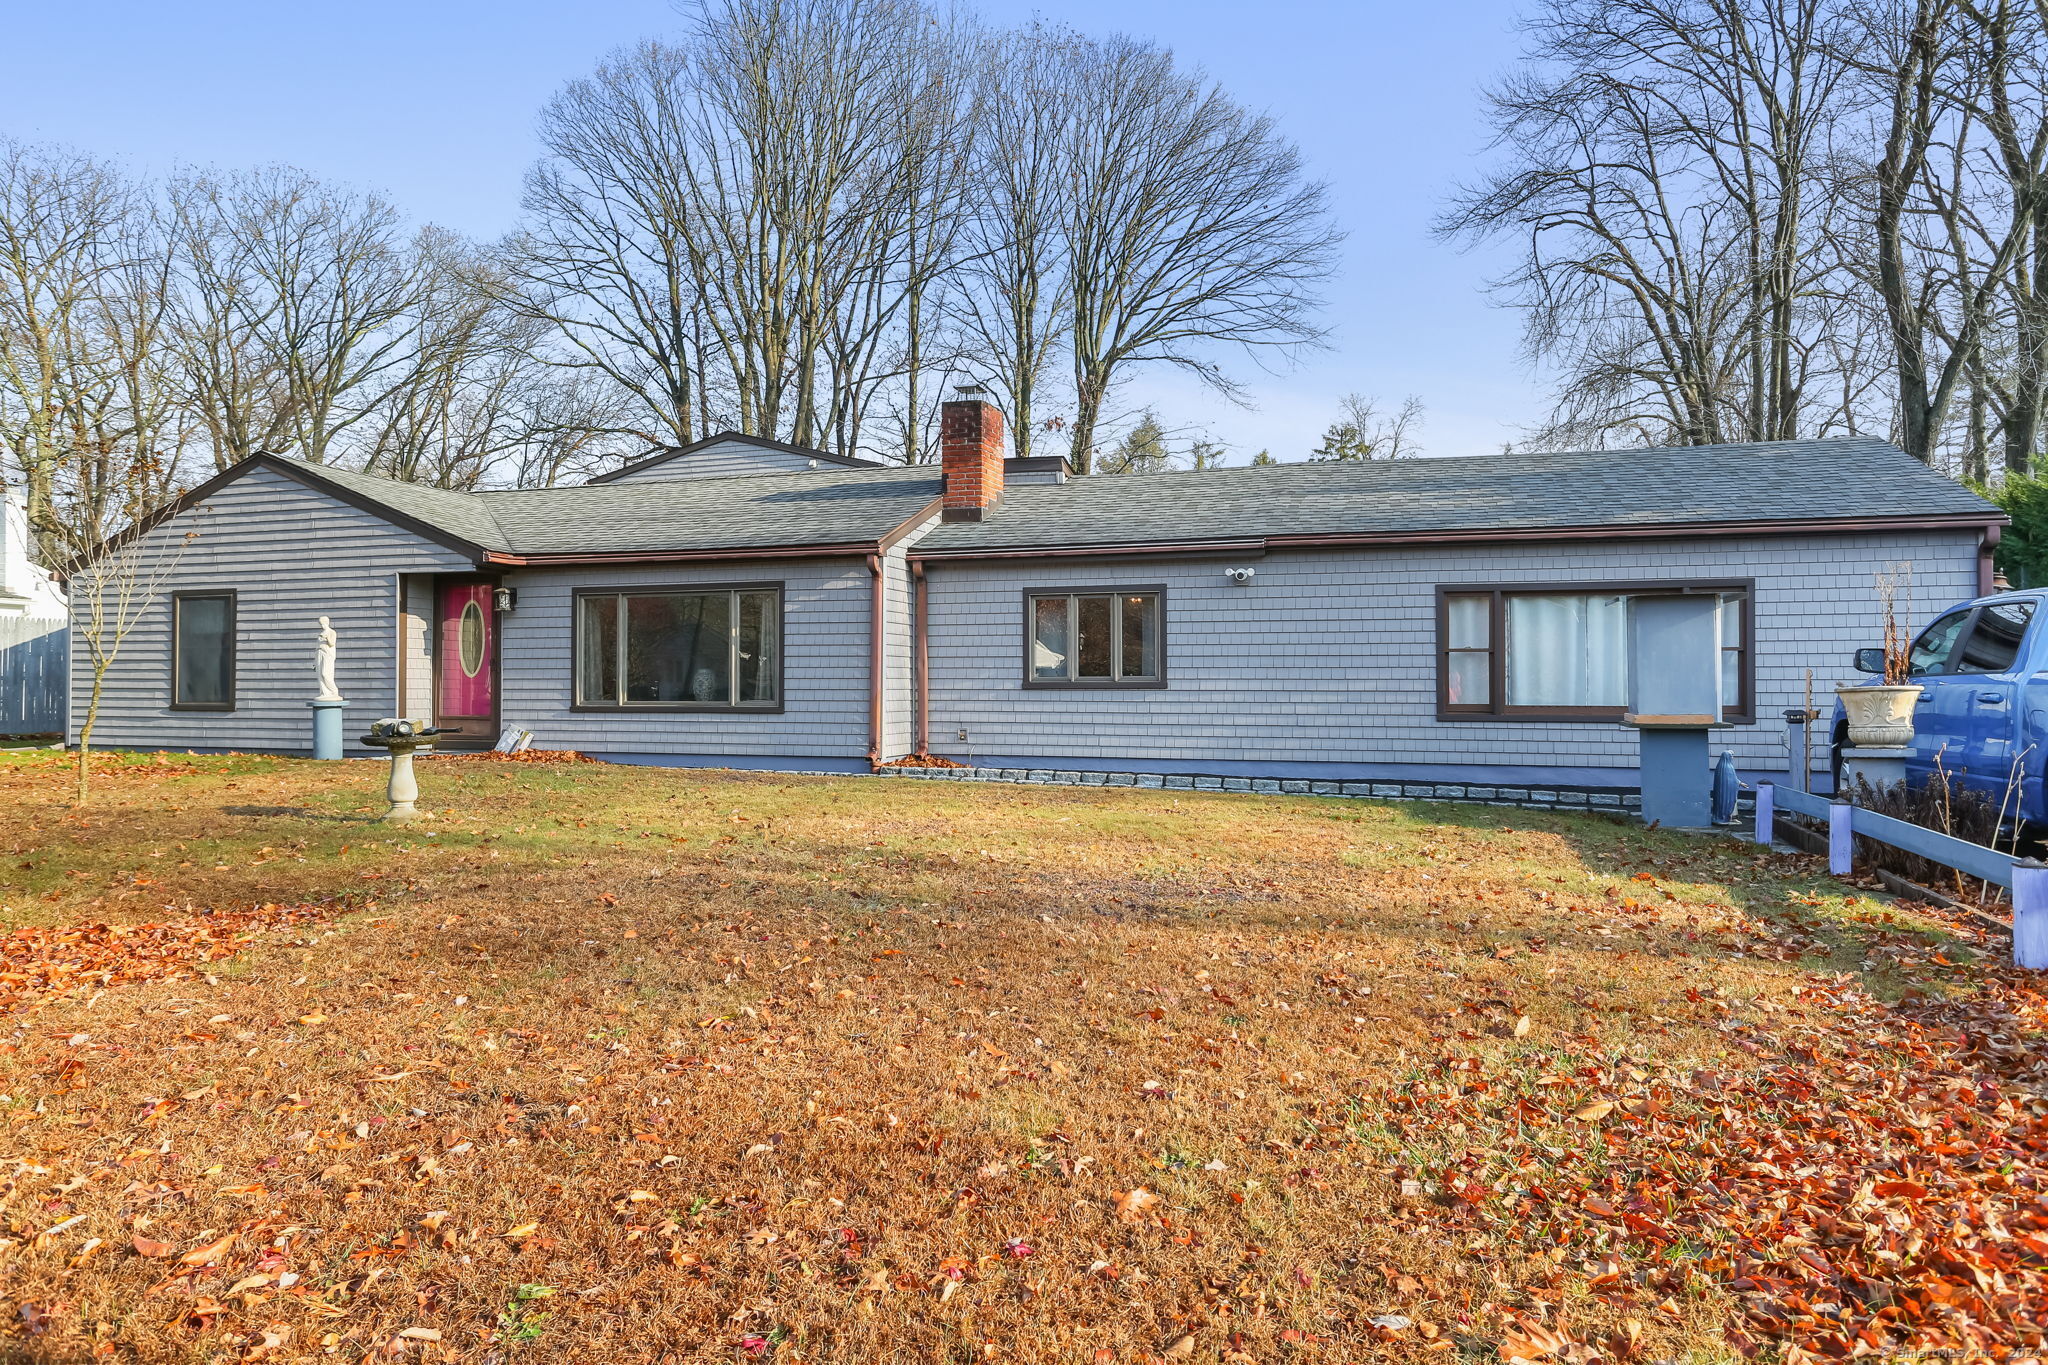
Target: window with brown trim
x: 679, y: 649
x: 203, y: 651
x: 1095, y: 637
x: 1542, y: 652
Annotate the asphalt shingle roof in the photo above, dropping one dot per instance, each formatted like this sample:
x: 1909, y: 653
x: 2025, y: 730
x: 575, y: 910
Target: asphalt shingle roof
x: 827, y: 506
x: 1786, y: 481
x: 1672, y: 486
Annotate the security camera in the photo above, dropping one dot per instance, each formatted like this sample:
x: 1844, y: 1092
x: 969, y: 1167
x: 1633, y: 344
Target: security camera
x: 1239, y: 576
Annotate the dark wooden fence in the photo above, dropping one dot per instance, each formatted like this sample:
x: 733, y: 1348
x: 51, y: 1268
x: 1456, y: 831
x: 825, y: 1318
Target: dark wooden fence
x: 34, y: 652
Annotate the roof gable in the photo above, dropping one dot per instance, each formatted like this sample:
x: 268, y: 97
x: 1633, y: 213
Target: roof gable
x: 664, y: 463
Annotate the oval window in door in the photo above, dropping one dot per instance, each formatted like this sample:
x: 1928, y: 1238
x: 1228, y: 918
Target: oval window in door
x: 472, y: 639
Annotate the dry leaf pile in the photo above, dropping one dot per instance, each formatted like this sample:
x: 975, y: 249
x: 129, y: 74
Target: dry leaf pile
x: 1878, y: 1181
x: 39, y: 962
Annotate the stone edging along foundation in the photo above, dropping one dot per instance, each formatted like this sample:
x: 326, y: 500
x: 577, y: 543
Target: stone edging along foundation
x: 1533, y: 798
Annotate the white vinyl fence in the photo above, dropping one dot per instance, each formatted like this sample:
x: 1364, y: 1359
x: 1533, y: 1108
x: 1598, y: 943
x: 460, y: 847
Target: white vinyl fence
x: 33, y: 652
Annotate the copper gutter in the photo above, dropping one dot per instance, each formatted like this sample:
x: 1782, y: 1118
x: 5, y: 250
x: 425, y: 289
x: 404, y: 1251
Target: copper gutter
x: 1834, y: 525
x: 1094, y: 551
x: 548, y: 561
x: 917, y: 519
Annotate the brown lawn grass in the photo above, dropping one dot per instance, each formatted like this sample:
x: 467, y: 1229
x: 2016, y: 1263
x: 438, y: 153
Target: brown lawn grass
x: 618, y: 1064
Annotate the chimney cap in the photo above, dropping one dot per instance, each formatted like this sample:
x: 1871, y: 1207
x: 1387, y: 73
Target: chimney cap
x: 970, y: 390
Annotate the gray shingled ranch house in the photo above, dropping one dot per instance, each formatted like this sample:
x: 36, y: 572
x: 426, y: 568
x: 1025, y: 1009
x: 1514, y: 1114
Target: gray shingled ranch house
x: 1399, y: 626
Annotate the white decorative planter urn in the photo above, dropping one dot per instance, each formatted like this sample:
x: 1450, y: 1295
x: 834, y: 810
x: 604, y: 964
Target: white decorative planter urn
x: 1880, y: 717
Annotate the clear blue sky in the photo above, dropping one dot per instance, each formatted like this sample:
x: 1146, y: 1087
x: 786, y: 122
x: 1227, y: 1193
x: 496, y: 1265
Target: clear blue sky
x: 432, y: 103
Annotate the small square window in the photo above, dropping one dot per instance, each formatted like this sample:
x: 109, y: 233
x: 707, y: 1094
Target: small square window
x: 1095, y: 637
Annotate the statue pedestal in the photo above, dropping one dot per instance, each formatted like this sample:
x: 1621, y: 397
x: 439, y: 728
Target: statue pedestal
x: 1880, y: 768
x: 327, y: 727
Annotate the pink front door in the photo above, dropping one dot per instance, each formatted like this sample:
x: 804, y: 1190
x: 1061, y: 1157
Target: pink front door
x: 465, y: 688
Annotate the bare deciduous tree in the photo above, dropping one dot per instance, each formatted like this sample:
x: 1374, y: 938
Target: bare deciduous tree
x: 1364, y: 432
x: 296, y: 307
x: 1189, y: 228
x: 1663, y: 177
x: 1014, y: 305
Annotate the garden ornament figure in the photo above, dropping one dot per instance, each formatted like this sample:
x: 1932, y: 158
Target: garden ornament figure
x: 323, y: 662
x: 327, y: 700
x: 401, y: 738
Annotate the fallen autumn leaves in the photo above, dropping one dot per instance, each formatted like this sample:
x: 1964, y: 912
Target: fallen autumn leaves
x: 741, y: 1072
x: 37, y: 963
x: 1873, y: 1186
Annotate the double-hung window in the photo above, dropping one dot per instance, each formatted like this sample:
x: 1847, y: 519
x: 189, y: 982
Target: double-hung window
x: 1095, y: 637
x: 667, y: 649
x: 1561, y: 653
x: 203, y: 651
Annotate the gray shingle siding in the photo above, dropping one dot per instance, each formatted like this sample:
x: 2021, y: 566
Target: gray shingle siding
x: 719, y: 460
x: 825, y: 664
x: 291, y: 554
x: 1329, y: 656
x: 416, y: 643
x: 899, y: 643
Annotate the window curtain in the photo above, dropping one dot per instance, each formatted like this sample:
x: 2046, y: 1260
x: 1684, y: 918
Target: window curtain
x: 1567, y: 650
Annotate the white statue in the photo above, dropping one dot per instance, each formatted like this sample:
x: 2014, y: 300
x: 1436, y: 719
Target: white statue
x: 323, y: 660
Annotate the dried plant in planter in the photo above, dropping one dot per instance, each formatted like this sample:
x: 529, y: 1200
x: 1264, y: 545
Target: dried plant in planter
x: 1894, y: 592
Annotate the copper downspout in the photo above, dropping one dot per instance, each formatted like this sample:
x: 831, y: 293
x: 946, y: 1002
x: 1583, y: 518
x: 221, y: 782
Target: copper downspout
x: 875, y: 662
x: 924, y: 667
x: 1987, y: 565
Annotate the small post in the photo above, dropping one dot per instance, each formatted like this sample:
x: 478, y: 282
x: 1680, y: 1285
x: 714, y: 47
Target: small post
x: 1766, y: 813
x: 1841, y: 838
x: 2030, y: 914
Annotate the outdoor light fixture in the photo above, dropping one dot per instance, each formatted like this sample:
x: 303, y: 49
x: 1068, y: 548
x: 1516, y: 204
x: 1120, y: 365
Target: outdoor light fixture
x: 1242, y: 577
x: 506, y: 598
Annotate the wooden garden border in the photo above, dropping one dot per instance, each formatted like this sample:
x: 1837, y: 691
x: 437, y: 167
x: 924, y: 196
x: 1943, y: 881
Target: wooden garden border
x: 2025, y: 878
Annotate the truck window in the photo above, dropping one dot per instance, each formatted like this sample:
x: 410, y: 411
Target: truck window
x: 1935, y: 650
x: 1994, y: 642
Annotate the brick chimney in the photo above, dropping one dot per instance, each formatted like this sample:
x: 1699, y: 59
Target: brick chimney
x: 971, y: 454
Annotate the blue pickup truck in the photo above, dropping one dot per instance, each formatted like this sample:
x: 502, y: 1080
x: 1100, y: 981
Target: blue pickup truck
x: 1983, y: 716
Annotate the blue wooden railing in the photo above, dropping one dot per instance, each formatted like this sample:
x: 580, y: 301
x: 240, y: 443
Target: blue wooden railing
x: 2025, y: 878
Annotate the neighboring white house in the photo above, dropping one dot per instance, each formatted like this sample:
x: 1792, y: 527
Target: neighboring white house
x: 34, y: 632
x: 26, y: 588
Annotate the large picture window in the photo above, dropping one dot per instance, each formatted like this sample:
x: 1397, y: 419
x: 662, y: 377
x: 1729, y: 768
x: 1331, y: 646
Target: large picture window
x: 661, y: 649
x: 1561, y: 653
x: 203, y: 651
x: 1095, y: 637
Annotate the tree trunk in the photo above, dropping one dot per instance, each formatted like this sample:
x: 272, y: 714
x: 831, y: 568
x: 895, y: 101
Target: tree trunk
x: 92, y: 715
